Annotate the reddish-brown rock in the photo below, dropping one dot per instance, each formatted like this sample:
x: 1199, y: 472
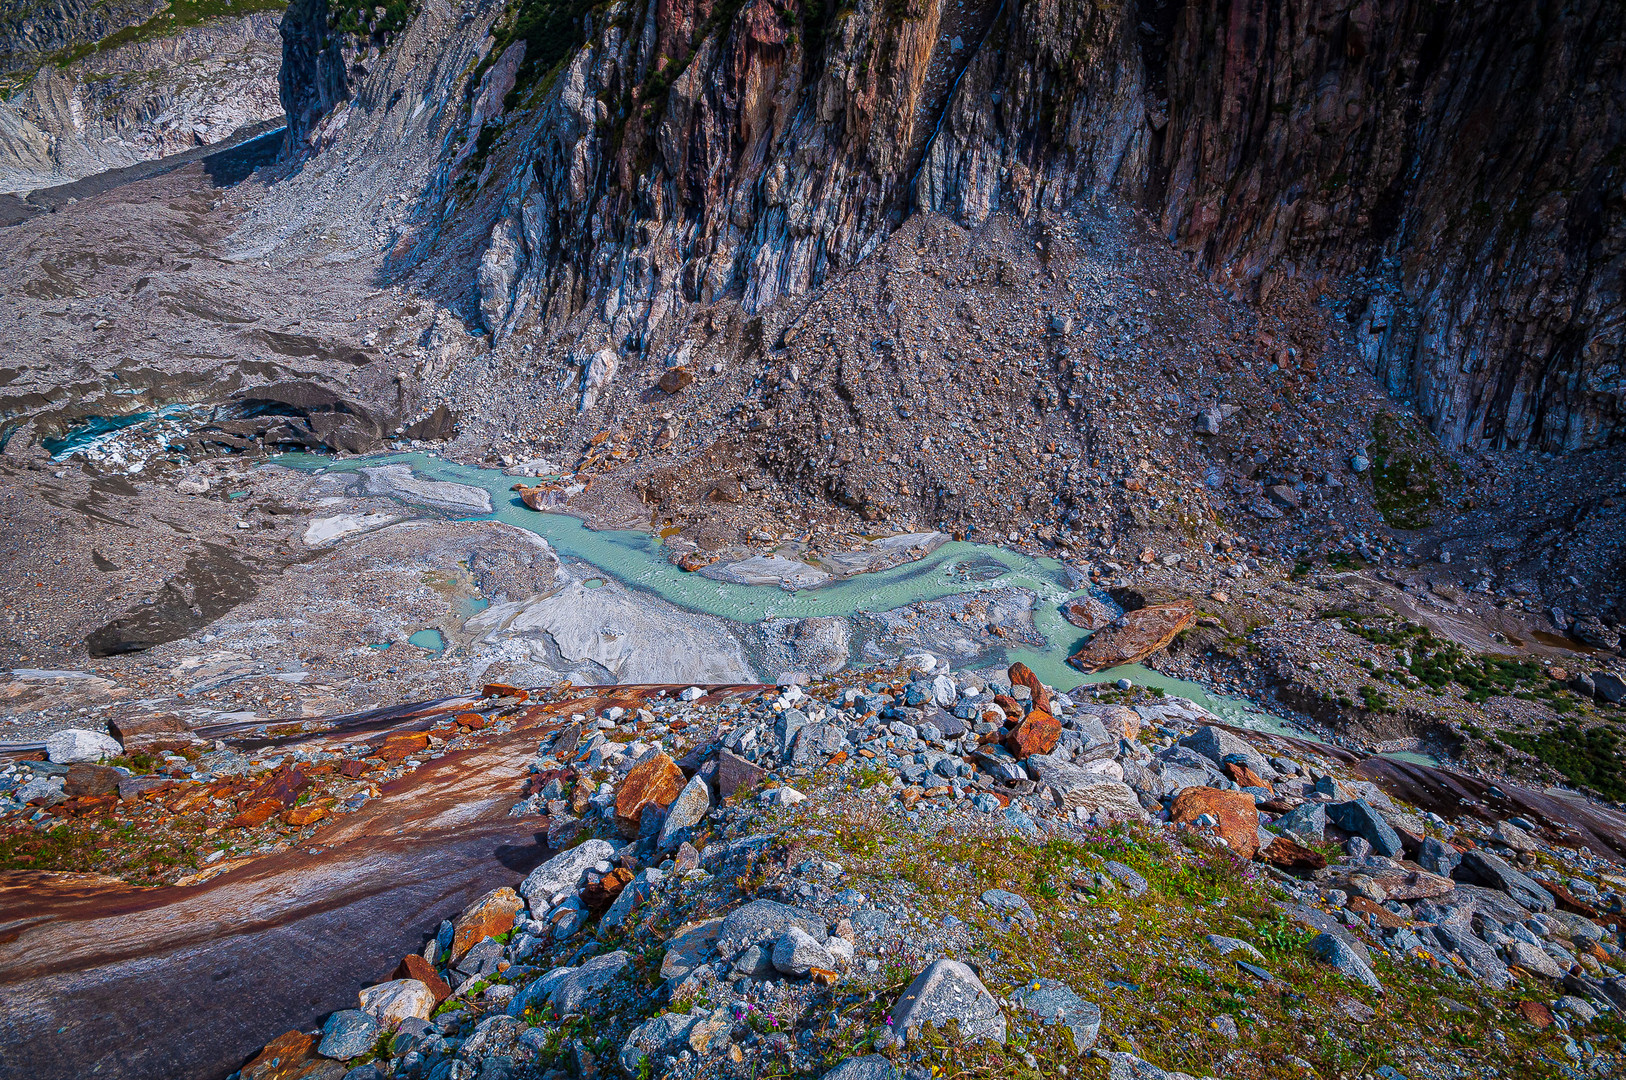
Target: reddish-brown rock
x: 309, y: 814
x: 676, y: 380
x: 284, y: 1058
x: 1022, y: 675
x: 1364, y: 907
x: 497, y: 689
x: 87, y: 779
x: 414, y: 966
x: 600, y: 894
x: 1287, y: 854
x: 1010, y: 706
x: 151, y: 734
x: 1142, y: 633
x: 690, y: 561
x: 275, y: 793
x: 1038, y: 733
x: 654, y: 782
x: 1568, y: 901
x: 471, y: 720
x: 353, y: 768
x: 488, y: 916
x: 402, y: 745
x: 1234, y: 810
x: 1243, y: 776
x: 1536, y: 1013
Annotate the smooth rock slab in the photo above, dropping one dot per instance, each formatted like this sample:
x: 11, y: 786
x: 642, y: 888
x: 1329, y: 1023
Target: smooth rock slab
x: 764, y: 922
x: 398, y: 481
x: 1334, y: 951
x: 348, y: 1033
x: 1484, y: 866
x: 394, y: 1001
x: 73, y: 745
x: 868, y: 1067
x: 687, y: 811
x: 563, y: 873
x: 581, y: 986
x: 949, y: 990
x: 1056, y: 1003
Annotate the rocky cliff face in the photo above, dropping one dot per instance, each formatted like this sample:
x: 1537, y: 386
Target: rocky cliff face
x: 31, y: 30
x: 1458, y: 165
x: 1450, y: 176
x: 139, y: 101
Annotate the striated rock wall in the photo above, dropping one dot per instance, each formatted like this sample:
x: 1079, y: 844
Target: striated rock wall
x: 139, y: 101
x: 1459, y: 165
x: 1452, y: 171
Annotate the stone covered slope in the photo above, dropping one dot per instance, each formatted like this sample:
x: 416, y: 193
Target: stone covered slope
x: 928, y: 872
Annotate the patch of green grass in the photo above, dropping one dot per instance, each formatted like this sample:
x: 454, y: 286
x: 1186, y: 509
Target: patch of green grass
x: 1589, y: 758
x: 1404, y: 486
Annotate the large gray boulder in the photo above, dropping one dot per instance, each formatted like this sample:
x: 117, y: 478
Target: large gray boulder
x: 948, y: 990
x: 1358, y: 818
x: 562, y: 875
x: 764, y: 922
x: 1483, y: 866
x: 581, y: 986
x: 687, y: 811
x: 1217, y: 744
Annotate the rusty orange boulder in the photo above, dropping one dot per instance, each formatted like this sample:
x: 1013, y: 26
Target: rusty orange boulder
x: 1038, y: 733
x: 1022, y: 675
x: 1238, y: 820
x: 488, y: 916
x: 1142, y: 633
x: 655, y: 781
x: 414, y: 966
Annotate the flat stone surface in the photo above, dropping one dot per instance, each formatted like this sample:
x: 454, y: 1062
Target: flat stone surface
x: 734, y: 773
x: 1055, y: 1003
x: 949, y: 990
x: 399, y: 482
x: 348, y: 1033
x: 1010, y: 906
x: 763, y: 922
x: 1216, y: 744
x: 1495, y: 872
x: 563, y: 873
x: 72, y: 745
x: 575, y: 990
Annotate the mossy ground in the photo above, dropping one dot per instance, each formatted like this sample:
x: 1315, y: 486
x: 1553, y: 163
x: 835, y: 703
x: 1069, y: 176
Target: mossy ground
x: 1144, y: 961
x: 1405, y: 473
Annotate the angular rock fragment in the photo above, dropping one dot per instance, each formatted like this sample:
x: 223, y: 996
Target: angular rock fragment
x: 948, y: 990
x: 1054, y: 1002
x: 488, y: 916
x: 1237, y: 821
x: 1141, y: 633
x: 655, y: 782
